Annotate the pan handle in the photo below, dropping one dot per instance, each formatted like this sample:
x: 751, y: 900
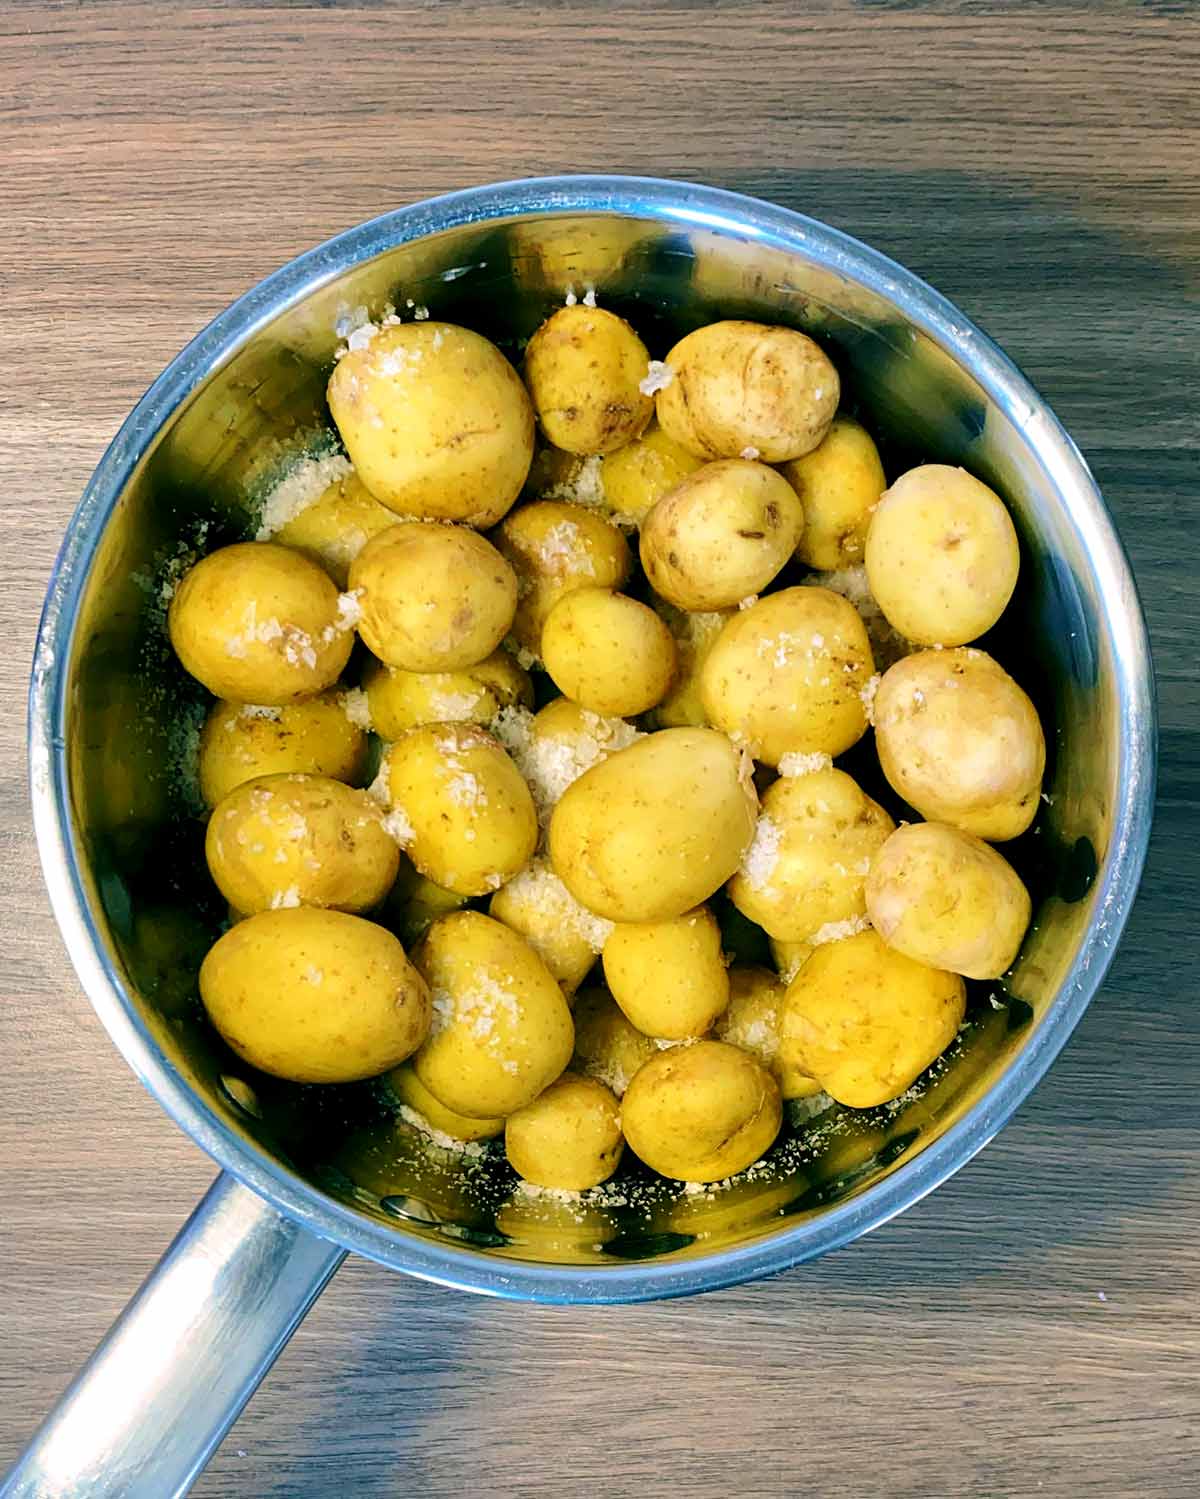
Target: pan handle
x: 150, y: 1406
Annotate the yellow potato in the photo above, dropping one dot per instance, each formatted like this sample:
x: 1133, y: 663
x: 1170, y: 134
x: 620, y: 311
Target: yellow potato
x: 807, y: 867
x: 568, y: 1138
x: 414, y: 903
x: 668, y: 976
x: 838, y: 483
x: 470, y: 820
x: 556, y: 475
x: 787, y: 675
x: 635, y: 477
x: 298, y: 840
x: 336, y: 526
x: 257, y: 623
x: 583, y: 367
x: 435, y: 420
x: 315, y: 996
x: 656, y: 828
x: 607, y: 652
x: 694, y: 635
x: 961, y: 742
x: 240, y: 742
x: 414, y: 1095
x: 567, y: 938
x: 701, y: 1112
x: 789, y: 957
x: 554, y: 547
x: 866, y: 1021
x: 720, y: 535
x: 501, y: 1028
x: 746, y: 390
x: 942, y: 555
x: 751, y: 1018
x: 607, y: 1045
x: 945, y: 898
x: 403, y: 700
x: 432, y: 597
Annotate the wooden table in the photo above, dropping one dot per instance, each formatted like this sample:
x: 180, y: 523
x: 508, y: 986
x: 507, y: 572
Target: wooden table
x: 1031, y: 1328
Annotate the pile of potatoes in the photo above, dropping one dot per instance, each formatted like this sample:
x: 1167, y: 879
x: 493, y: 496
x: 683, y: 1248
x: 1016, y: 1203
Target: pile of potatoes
x: 658, y: 534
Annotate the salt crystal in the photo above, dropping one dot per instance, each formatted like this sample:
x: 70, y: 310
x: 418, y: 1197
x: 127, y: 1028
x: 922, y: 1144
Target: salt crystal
x: 762, y: 856
x: 750, y: 454
x: 284, y: 900
x: 658, y: 376
x: 838, y: 931
x: 397, y: 826
x: 796, y: 764
x: 357, y: 708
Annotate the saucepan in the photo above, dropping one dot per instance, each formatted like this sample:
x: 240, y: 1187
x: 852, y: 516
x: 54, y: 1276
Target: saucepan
x: 309, y: 1174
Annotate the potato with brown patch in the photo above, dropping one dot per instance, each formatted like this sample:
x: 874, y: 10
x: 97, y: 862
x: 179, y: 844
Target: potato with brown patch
x: 747, y: 390
x: 258, y: 623
x: 720, y: 535
x: 607, y: 652
x: 583, y: 367
x: 839, y: 484
x: 242, y: 741
x: 435, y: 420
x: 961, y: 742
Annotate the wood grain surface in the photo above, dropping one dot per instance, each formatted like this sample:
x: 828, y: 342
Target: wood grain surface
x: 1030, y: 1329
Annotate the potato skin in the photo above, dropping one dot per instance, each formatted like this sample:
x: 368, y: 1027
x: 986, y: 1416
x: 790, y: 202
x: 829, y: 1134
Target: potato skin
x: 607, y: 652
x: 701, y: 1112
x: 808, y: 865
x: 583, y: 367
x: 866, y: 1021
x: 433, y: 597
x: 315, y: 996
x: 472, y: 818
x: 635, y: 477
x: 655, y: 829
x: 608, y: 1046
x: 569, y: 1137
x: 720, y: 535
x: 942, y: 555
x: 313, y: 737
x: 501, y: 1028
x: 553, y: 547
x: 539, y: 906
x: 787, y: 675
x: 402, y: 700
x: 741, y: 385
x: 412, y: 1092
x: 436, y: 422
x: 668, y: 977
x: 751, y: 1018
x: 336, y: 526
x: 694, y: 635
x: 300, y: 840
x: 257, y: 623
x: 837, y: 483
x: 944, y: 897
x: 961, y: 742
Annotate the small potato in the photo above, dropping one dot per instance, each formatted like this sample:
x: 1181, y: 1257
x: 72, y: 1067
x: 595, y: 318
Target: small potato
x: 435, y: 420
x: 786, y: 676
x: 402, y: 700
x: 866, y: 1021
x: 433, y: 598
x: 336, y: 526
x: 607, y: 1044
x: 838, y: 484
x: 240, y: 742
x: 694, y: 635
x: 751, y: 1018
x: 257, y: 623
x: 297, y: 840
x: 567, y: 938
x: 556, y: 745
x: 501, y: 1028
x: 583, y: 367
x: 553, y: 547
x: 413, y: 1094
x: 701, y: 1112
x: 414, y: 903
x: 960, y: 742
x: 942, y: 555
x: 789, y: 957
x: 315, y: 996
x: 635, y: 477
x: 607, y: 652
x: 657, y: 828
x: 720, y: 535
x: 470, y: 820
x: 568, y: 1138
x: 807, y: 867
x: 746, y: 390
x: 945, y: 898
x: 668, y: 976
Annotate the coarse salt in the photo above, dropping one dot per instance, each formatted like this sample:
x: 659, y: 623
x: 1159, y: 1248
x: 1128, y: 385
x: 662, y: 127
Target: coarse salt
x: 762, y: 856
x: 356, y: 707
x: 299, y: 488
x: 796, y: 764
x: 658, y: 376
x: 284, y: 900
x: 398, y: 827
x: 838, y: 931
